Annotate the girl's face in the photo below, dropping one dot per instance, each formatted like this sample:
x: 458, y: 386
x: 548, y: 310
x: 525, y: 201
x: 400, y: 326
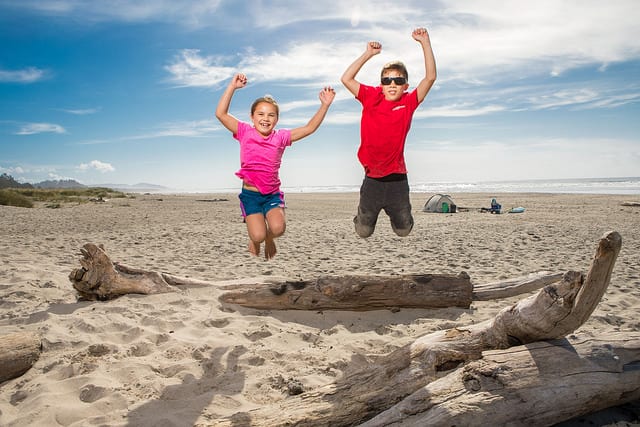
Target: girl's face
x: 264, y: 118
x: 393, y: 91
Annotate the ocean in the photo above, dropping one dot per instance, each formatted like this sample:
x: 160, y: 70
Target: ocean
x: 625, y: 185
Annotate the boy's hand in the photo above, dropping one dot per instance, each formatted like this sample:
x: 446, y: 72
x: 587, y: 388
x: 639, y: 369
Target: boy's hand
x: 326, y: 95
x: 420, y: 34
x: 239, y: 81
x: 374, y: 48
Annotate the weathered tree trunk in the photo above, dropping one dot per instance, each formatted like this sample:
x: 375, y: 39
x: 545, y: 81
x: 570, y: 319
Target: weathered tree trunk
x: 539, y: 384
x: 404, y: 385
x: 359, y: 395
x: 355, y: 293
x: 515, y: 286
x: 100, y: 278
x: 18, y: 352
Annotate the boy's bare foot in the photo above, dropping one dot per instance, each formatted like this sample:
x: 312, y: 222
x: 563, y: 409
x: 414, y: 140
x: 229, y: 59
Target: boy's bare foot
x: 269, y: 248
x: 254, y: 248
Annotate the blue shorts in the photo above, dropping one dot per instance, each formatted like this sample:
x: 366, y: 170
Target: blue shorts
x: 253, y: 202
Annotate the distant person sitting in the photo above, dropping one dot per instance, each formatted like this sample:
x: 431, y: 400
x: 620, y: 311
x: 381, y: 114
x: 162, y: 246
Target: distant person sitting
x: 495, y: 206
x: 387, y: 111
x: 261, y: 149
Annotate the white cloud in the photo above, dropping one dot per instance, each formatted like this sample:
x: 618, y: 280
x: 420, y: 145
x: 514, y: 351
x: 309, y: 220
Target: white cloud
x: 57, y: 177
x: 477, y: 44
x: 189, y: 13
x: 465, y: 110
x: 189, y: 68
x: 82, y: 112
x: 27, y: 75
x: 473, y: 40
x: 34, y: 128
x: 96, y: 165
x: 511, y: 159
x: 544, y: 36
x: 12, y: 170
x: 187, y: 129
x: 193, y: 129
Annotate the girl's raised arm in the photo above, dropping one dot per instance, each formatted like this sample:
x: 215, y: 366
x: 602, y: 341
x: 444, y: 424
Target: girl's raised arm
x: 326, y: 96
x: 222, y: 110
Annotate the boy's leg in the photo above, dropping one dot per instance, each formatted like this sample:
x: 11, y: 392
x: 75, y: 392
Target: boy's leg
x: 276, y: 226
x: 398, y: 207
x: 369, y: 207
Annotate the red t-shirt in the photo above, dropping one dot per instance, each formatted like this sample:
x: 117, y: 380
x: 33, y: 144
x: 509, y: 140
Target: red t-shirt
x: 383, y: 130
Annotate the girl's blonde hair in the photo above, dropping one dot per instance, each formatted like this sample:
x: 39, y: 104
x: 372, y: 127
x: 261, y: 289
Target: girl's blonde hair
x: 268, y: 99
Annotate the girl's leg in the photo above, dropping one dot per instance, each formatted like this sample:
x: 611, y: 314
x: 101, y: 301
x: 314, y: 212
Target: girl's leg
x: 257, y: 230
x: 276, y: 226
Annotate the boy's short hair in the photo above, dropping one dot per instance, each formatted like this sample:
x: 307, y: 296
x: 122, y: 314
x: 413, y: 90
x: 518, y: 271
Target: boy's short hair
x: 268, y: 99
x: 395, y: 65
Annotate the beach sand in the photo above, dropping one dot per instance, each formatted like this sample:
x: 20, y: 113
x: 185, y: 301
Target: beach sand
x: 177, y: 359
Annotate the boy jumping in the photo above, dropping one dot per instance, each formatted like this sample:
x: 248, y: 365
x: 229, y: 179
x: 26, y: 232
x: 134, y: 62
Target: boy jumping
x: 387, y: 111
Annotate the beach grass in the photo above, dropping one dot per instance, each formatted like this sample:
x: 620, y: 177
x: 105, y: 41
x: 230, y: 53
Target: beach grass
x: 25, y: 197
x: 12, y: 197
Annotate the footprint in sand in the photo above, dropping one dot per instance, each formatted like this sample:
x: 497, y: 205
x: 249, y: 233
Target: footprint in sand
x: 258, y: 335
x: 216, y: 323
x: 90, y: 393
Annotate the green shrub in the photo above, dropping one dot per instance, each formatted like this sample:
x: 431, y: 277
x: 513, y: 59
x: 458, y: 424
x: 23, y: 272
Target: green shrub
x: 24, y: 197
x: 10, y: 197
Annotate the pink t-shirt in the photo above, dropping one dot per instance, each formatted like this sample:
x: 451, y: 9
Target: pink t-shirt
x: 260, y: 157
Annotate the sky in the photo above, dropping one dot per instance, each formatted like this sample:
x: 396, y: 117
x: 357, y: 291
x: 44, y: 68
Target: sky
x: 124, y: 92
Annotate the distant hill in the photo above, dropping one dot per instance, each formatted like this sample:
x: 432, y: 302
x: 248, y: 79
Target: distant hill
x: 7, y: 181
x: 59, y: 183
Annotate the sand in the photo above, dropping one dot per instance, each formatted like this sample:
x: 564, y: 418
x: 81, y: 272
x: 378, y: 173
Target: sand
x: 182, y: 358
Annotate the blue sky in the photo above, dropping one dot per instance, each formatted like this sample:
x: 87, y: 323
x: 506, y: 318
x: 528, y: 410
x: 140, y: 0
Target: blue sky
x: 125, y: 91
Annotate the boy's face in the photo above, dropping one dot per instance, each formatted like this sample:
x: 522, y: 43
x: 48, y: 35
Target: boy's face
x: 264, y: 118
x: 393, y: 91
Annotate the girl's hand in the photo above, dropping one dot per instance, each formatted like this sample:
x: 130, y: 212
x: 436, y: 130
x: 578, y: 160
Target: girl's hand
x: 327, y: 94
x: 239, y: 81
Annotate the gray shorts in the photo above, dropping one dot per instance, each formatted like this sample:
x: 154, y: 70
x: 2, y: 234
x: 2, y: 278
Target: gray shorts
x: 389, y: 193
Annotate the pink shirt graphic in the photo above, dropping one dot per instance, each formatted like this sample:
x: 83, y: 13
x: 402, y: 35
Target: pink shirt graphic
x: 260, y: 157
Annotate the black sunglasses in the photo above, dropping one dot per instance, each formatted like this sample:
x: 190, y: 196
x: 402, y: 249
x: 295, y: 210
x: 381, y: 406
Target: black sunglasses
x: 397, y: 80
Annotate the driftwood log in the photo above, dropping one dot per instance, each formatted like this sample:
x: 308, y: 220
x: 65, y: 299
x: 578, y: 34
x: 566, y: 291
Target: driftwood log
x: 353, y: 292
x: 526, y: 385
x: 99, y: 279
x: 405, y: 384
x: 497, y: 371
x: 18, y: 352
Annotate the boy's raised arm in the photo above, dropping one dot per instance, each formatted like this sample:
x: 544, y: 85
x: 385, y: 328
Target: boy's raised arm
x: 222, y: 110
x: 349, y: 76
x: 422, y: 36
x: 326, y: 96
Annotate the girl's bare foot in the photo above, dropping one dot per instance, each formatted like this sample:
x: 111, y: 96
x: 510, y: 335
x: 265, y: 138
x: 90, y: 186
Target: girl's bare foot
x: 269, y: 248
x: 254, y: 248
